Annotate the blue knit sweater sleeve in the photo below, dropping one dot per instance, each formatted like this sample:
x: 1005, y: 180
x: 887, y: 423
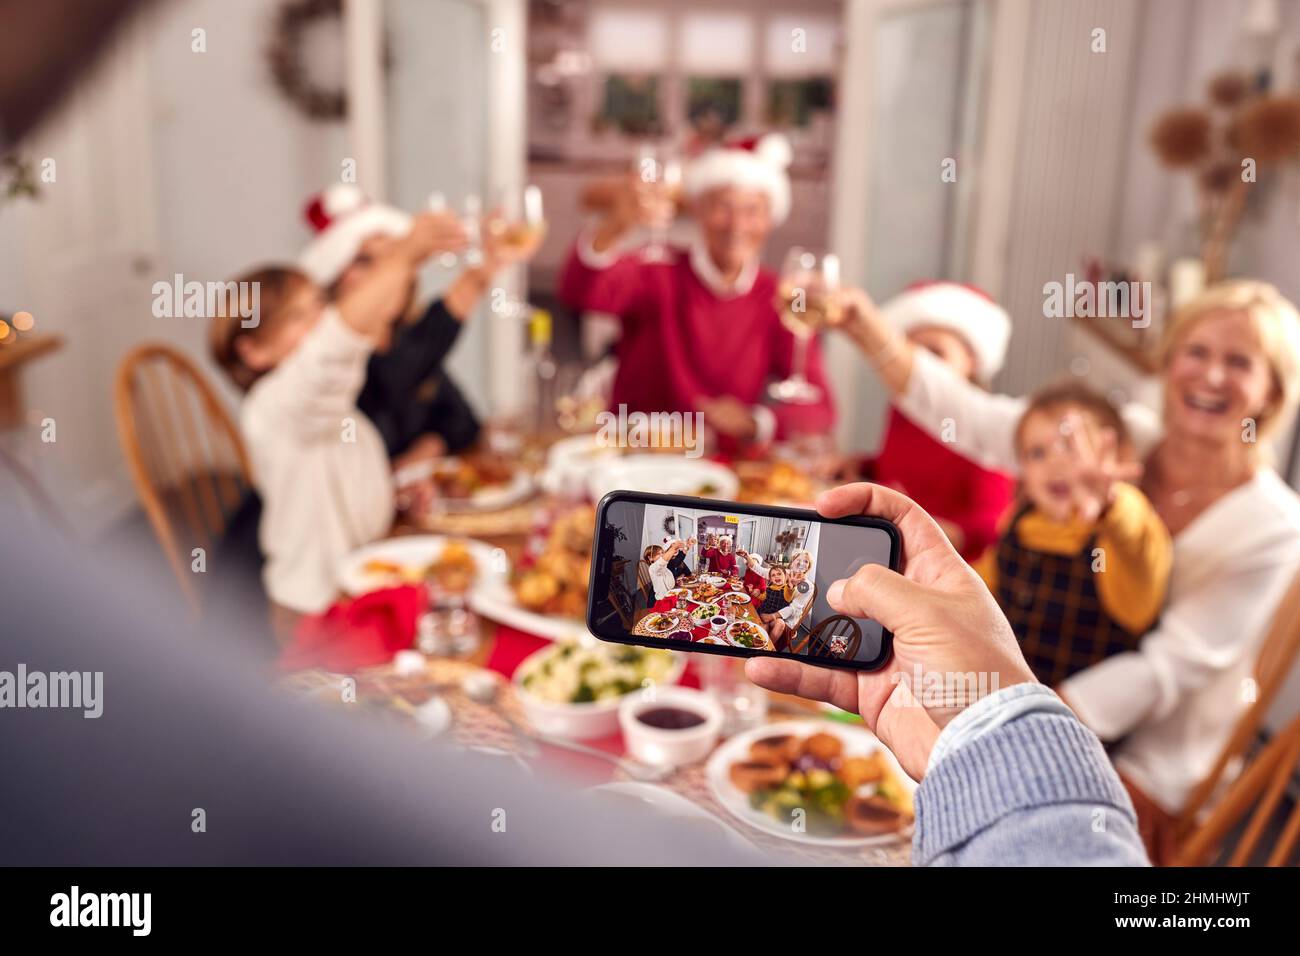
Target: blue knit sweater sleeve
x: 1033, y: 790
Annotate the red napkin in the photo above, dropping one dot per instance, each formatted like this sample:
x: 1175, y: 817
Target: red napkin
x: 357, y: 633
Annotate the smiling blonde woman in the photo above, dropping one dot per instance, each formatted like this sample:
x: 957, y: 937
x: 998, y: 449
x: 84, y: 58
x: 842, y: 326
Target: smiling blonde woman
x: 1231, y: 371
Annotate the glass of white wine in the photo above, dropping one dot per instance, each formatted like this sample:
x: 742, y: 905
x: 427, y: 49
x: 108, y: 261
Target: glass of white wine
x: 518, y: 222
x: 807, y: 300
x: 660, y: 167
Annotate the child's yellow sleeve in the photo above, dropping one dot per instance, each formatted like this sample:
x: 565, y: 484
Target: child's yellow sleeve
x: 986, y: 566
x: 1138, y: 554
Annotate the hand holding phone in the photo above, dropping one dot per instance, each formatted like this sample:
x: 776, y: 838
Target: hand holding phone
x: 774, y: 605
x: 945, y: 624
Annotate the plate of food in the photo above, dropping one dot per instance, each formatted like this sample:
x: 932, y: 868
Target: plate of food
x: 454, y: 565
x: 703, y: 592
x: 735, y: 597
x: 814, y: 781
x: 547, y: 594
x: 710, y: 639
x: 480, y: 481
x: 746, y: 634
x: 574, y: 690
x: 657, y: 623
x: 701, y: 613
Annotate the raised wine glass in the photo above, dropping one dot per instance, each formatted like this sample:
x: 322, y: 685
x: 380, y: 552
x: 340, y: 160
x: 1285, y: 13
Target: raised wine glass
x: 807, y: 299
x: 659, y: 168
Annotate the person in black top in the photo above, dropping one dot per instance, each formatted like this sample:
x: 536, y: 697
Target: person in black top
x: 677, y: 563
x: 417, y: 407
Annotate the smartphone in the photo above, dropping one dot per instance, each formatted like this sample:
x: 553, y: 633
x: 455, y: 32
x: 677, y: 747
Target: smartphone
x: 753, y: 583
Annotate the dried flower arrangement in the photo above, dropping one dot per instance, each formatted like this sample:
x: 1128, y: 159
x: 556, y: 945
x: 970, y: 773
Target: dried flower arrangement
x: 1215, y: 142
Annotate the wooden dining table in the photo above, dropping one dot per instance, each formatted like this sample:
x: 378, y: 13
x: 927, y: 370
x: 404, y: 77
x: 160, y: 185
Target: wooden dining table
x: 701, y: 631
x: 502, y: 648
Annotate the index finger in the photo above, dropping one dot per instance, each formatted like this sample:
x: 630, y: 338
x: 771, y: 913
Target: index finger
x: 828, y: 684
x: 920, y: 531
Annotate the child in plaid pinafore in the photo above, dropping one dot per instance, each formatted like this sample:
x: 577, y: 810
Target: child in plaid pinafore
x: 1081, y: 569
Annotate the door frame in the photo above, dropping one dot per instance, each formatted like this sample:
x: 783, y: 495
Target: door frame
x: 1008, y: 36
x: 505, y: 145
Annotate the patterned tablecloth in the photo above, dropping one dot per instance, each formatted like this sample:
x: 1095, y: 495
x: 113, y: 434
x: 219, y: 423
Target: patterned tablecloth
x: 381, y: 691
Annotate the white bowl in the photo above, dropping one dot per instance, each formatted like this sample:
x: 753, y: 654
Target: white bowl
x: 659, y: 746
x: 579, y: 721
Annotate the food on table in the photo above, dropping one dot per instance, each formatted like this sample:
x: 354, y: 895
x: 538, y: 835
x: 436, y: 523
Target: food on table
x: 764, y: 482
x: 758, y: 776
x: 660, y: 622
x: 705, y: 592
x: 453, y: 569
x: 823, y: 747
x: 840, y: 794
x: 569, y: 674
x: 735, y: 597
x: 703, y: 612
x: 463, y: 476
x: 681, y: 636
x: 555, y: 580
x: 779, y: 748
x: 875, y: 814
x: 670, y: 718
x: 710, y: 640
x: 747, y: 634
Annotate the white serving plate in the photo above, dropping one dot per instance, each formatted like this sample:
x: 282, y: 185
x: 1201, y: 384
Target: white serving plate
x: 414, y: 551
x: 858, y: 742
x: 664, y: 474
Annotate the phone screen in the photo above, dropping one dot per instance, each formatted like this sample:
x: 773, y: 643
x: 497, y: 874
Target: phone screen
x: 717, y: 577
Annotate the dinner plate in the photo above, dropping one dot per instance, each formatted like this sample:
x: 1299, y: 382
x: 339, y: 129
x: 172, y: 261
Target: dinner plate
x: 736, y: 597
x: 858, y: 742
x: 415, y: 551
x: 493, y: 497
x: 495, y: 600
x: 569, y: 462
x: 672, y: 625
x: 665, y: 474
x: 735, y: 643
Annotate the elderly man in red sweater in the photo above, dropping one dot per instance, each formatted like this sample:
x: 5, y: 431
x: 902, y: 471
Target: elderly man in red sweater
x: 700, y: 329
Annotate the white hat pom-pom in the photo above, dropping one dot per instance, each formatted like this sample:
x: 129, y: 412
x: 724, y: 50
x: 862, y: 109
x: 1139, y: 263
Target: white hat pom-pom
x: 775, y: 149
x: 342, y: 198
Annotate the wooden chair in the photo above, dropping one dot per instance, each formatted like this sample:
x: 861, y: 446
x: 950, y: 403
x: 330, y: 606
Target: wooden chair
x: 184, y: 453
x: 1276, y: 656
x: 816, y: 643
x: 794, y: 628
x: 1261, y: 786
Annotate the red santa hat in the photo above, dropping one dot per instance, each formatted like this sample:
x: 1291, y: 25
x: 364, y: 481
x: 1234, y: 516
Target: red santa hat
x: 964, y: 309
x: 344, y: 218
x: 756, y: 163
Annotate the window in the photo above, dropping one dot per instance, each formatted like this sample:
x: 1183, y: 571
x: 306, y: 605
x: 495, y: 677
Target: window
x: 795, y: 102
x: 630, y: 104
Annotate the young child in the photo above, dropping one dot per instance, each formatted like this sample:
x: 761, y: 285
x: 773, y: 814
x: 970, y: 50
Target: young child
x: 657, y: 560
x: 785, y: 597
x: 968, y: 332
x: 1082, y: 568
x: 318, y: 463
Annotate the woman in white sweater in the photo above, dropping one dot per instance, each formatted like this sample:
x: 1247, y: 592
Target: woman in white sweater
x: 1231, y: 371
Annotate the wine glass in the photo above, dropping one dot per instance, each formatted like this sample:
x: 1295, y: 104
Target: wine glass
x: 473, y: 214
x: 807, y: 299
x: 518, y: 221
x: 656, y: 167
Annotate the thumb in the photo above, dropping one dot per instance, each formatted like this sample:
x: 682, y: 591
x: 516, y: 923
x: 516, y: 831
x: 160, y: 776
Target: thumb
x: 876, y: 592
